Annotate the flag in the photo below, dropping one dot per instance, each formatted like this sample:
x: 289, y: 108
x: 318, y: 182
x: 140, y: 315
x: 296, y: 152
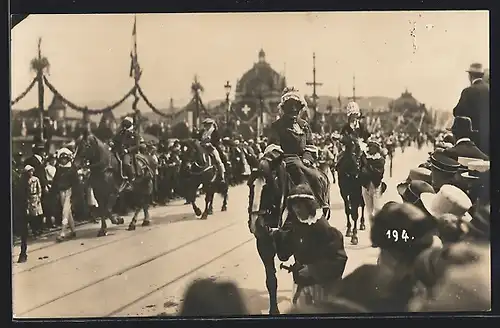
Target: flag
x: 135, y: 69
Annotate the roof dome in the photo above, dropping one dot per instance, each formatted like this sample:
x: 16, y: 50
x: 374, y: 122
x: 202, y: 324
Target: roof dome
x: 406, y: 101
x: 261, y: 77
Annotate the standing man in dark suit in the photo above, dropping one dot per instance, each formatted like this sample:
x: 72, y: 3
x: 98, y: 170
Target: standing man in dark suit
x: 475, y: 103
x: 464, y: 146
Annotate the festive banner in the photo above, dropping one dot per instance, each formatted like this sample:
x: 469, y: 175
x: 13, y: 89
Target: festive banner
x: 246, y: 111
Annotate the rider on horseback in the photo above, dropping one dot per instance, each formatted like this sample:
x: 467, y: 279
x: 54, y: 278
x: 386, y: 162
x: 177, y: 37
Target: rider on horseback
x: 291, y: 138
x: 354, y: 126
x: 210, y: 139
x: 124, y: 144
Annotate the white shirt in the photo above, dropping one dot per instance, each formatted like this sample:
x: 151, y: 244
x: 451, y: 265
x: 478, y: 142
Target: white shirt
x: 462, y: 140
x: 50, y: 172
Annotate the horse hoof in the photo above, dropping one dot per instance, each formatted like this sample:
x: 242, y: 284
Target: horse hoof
x: 145, y: 223
x: 274, y: 311
x: 210, y: 212
x: 131, y: 227
x: 224, y: 209
x: 204, y: 216
x: 22, y: 258
x: 354, y: 240
x: 362, y: 226
x: 120, y: 221
x: 102, y: 233
x: 348, y: 233
x: 197, y: 211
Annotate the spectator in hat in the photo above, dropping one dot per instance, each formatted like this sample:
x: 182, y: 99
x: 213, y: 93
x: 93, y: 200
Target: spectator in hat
x: 49, y: 205
x: 475, y: 103
x: 420, y: 173
x: 371, y: 176
x: 450, y: 208
x: 477, y: 181
x: 444, y: 170
x: 37, y: 162
x: 464, y: 146
x: 32, y: 195
x: 402, y: 232
x: 65, y: 179
x: 410, y: 192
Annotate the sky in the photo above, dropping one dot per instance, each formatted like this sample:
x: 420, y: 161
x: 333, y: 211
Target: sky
x: 425, y: 52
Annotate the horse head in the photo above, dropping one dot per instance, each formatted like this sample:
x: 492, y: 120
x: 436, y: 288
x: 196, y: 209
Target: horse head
x: 266, y: 197
x: 351, y: 156
x: 86, y: 150
x: 194, y: 155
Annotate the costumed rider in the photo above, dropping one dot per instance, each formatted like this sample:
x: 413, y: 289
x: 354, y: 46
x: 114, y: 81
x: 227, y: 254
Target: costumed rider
x: 124, y: 145
x: 354, y: 127
x: 210, y: 139
x: 291, y: 139
x: 317, y: 247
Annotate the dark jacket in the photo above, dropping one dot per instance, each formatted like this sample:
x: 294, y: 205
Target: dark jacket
x: 360, y: 132
x: 65, y: 178
x: 465, y: 149
x: 292, y: 142
x: 474, y: 102
x: 125, y: 139
x: 320, y: 246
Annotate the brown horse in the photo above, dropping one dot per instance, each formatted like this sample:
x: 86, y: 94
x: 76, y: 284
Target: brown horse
x: 106, y: 179
x: 202, y: 171
x: 269, y: 185
x: 348, y: 168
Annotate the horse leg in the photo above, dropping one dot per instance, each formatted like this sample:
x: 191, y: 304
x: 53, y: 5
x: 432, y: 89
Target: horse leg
x: 267, y: 252
x: 354, y: 214
x: 114, y: 218
x: 362, y: 223
x: 347, y: 210
x: 146, y: 221
x: 191, y: 199
x: 208, y: 198
x: 210, y: 209
x: 131, y: 226
x: 224, y: 200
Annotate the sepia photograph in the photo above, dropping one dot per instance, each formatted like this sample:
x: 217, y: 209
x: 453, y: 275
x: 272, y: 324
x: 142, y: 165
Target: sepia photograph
x: 250, y: 164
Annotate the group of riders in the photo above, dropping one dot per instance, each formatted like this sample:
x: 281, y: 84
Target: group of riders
x: 307, y: 163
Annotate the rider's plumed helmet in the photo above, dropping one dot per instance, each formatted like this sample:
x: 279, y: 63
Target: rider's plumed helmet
x: 292, y: 102
x: 353, y: 109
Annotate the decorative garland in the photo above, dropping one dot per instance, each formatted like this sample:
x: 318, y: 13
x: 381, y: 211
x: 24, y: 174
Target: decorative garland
x: 87, y: 110
x: 22, y: 95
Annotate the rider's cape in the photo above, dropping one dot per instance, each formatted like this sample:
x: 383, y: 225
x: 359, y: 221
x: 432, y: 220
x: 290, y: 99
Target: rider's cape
x: 360, y: 132
x: 291, y: 138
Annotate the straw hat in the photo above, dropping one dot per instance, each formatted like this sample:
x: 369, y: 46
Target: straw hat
x: 449, y: 199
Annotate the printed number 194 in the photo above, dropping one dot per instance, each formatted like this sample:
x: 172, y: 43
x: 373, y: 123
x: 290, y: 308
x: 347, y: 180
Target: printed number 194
x: 394, y: 234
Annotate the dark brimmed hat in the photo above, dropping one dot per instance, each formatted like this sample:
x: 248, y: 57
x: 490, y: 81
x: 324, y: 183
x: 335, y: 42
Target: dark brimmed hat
x: 443, y: 163
x: 420, y: 173
x: 476, y: 68
x: 410, y: 192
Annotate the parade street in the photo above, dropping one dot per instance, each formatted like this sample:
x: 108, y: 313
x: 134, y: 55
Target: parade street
x: 145, y: 272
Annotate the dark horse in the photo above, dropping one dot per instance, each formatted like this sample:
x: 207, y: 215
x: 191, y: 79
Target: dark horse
x: 106, y: 179
x: 202, y: 171
x: 269, y: 186
x: 348, y: 168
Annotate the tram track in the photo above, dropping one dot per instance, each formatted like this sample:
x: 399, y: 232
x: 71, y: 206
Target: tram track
x: 129, y: 268
x: 132, y: 234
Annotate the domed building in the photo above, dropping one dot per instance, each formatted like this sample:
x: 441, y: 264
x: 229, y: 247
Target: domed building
x: 409, y: 114
x: 257, y: 91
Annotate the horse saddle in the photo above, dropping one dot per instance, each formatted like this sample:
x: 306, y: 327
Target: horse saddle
x: 143, y: 163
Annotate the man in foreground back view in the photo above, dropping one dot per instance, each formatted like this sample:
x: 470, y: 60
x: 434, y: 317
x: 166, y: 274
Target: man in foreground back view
x: 475, y: 103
